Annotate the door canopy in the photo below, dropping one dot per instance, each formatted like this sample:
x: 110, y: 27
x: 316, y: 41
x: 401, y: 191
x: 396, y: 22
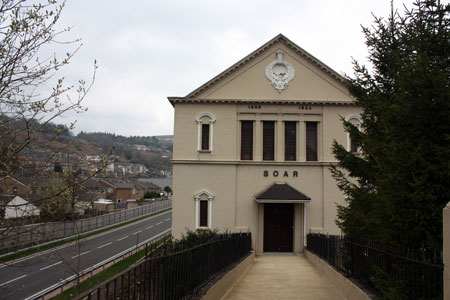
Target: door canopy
x: 281, y: 193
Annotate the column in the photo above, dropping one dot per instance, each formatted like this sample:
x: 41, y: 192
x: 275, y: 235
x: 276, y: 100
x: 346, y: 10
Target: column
x: 211, y: 134
x: 199, y: 135
x: 260, y: 234
x: 257, y: 141
x: 298, y: 228
x: 279, y: 140
x: 301, y: 141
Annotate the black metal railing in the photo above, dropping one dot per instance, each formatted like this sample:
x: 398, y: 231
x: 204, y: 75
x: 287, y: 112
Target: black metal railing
x: 413, y: 274
x: 170, y: 274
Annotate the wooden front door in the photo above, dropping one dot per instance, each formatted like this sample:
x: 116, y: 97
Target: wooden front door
x: 278, y: 227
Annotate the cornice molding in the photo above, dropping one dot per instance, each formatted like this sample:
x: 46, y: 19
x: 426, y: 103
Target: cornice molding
x: 174, y: 100
x: 253, y: 163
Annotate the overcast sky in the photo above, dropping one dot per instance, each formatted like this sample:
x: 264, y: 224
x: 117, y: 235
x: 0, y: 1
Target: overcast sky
x: 148, y: 50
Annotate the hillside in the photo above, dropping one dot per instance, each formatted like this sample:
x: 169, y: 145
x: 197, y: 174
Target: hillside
x: 154, y: 152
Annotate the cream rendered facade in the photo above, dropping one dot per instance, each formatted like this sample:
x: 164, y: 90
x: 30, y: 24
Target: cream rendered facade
x: 217, y: 175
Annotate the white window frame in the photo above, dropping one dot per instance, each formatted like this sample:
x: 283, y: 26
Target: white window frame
x: 211, y: 121
x: 347, y: 119
x: 197, y: 209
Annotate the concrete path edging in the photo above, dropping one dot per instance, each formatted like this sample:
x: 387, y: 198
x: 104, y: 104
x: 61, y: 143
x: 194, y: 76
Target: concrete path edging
x: 221, y: 287
x: 344, y: 286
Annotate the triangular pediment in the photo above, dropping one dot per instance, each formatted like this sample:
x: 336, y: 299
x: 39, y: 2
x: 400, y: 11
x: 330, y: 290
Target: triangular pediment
x: 247, y: 79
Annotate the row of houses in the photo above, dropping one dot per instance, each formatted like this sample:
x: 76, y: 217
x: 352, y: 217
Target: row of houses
x: 117, y: 167
x: 24, y: 196
x: 125, y: 168
x: 118, y: 194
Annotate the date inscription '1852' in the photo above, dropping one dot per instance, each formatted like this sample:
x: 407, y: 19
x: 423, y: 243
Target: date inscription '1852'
x: 281, y: 174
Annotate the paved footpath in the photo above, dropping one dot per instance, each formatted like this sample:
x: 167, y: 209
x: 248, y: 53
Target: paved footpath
x: 282, y: 276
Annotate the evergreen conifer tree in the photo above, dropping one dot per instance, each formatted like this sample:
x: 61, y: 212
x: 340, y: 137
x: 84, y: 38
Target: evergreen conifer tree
x: 399, y: 182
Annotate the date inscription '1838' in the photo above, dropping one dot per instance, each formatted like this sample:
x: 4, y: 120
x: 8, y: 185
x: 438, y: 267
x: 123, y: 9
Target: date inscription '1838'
x: 281, y: 174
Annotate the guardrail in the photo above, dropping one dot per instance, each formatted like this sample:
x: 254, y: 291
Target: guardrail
x: 101, y: 266
x: 35, y: 235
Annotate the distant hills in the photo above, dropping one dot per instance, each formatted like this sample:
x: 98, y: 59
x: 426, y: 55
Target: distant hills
x: 154, y: 152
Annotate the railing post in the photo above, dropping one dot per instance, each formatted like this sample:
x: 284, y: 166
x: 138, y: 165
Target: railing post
x: 446, y: 250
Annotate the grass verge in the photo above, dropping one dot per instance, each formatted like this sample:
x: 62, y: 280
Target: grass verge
x: 28, y: 252
x: 104, y: 275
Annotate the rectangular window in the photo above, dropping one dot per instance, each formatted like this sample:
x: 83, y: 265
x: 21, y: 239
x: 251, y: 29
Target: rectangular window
x: 203, y: 213
x: 311, y: 141
x: 290, y: 141
x: 205, y: 136
x: 247, y: 140
x: 353, y: 146
x: 268, y: 140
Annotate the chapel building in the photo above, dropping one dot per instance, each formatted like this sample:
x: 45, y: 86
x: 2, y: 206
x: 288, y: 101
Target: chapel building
x: 252, y: 149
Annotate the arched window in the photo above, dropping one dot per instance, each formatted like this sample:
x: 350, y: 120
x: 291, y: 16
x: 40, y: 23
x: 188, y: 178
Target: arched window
x: 205, y: 126
x: 356, y: 121
x: 203, y: 209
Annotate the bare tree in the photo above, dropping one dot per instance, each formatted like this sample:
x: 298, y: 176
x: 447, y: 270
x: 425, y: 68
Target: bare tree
x: 33, y: 95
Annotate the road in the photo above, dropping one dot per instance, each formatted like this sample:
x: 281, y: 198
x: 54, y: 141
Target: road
x: 29, y: 276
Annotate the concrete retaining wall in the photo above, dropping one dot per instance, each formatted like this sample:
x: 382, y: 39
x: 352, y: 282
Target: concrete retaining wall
x: 345, y: 287
x: 221, y: 287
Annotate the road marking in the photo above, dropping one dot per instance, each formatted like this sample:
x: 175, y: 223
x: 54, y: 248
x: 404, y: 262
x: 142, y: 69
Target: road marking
x: 12, y: 280
x: 50, y: 266
x: 159, y: 223
x: 81, y: 254
x: 3, y: 265
x: 104, y: 245
x: 167, y: 219
x: 137, y: 232
x: 149, y: 227
x: 122, y: 238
